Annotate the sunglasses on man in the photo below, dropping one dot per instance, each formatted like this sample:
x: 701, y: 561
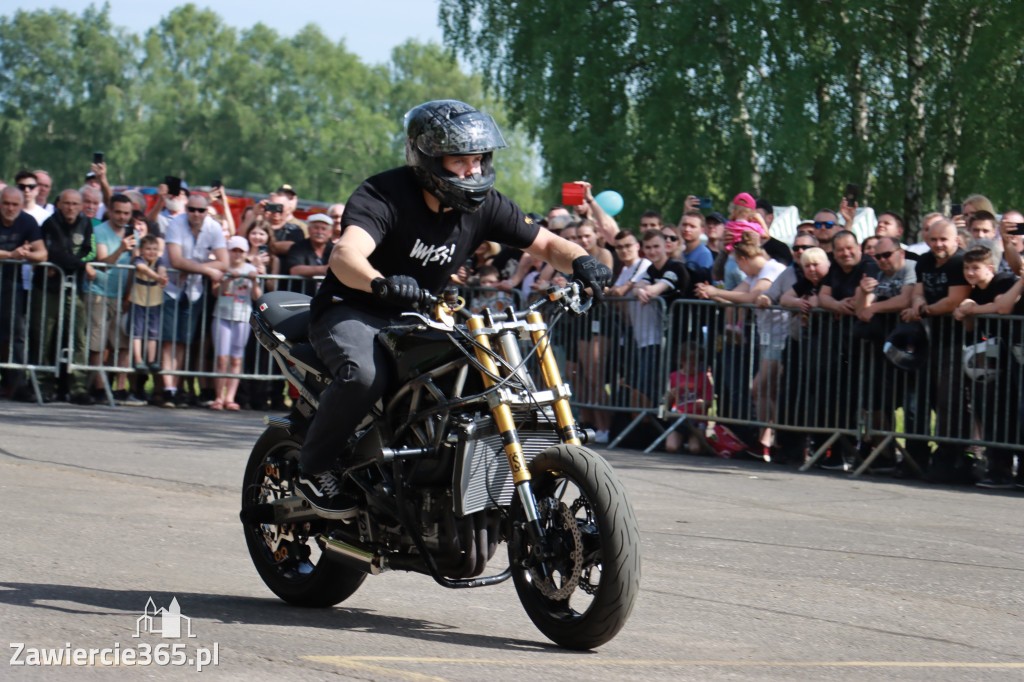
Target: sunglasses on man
x: 25, y: 188
x: 824, y: 224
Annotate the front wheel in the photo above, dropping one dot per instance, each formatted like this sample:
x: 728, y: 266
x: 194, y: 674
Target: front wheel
x: 580, y: 587
x: 288, y: 557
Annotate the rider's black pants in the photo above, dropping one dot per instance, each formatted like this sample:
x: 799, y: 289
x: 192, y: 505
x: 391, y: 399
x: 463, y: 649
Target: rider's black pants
x: 345, y: 339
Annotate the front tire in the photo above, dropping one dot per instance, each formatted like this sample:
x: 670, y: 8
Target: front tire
x: 288, y: 557
x: 586, y: 590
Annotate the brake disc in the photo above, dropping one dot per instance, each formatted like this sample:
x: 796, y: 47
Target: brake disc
x: 563, y: 522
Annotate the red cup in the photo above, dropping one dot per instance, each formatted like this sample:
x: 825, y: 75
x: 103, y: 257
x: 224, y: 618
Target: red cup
x: 572, y: 194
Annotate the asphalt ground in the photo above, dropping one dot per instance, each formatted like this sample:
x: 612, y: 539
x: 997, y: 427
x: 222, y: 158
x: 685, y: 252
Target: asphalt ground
x: 750, y: 571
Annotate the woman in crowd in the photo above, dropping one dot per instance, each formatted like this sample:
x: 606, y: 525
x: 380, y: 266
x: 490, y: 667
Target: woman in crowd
x: 673, y: 241
x: 760, y: 271
x: 261, y: 251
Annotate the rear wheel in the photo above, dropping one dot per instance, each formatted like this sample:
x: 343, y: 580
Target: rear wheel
x: 288, y: 557
x: 580, y: 588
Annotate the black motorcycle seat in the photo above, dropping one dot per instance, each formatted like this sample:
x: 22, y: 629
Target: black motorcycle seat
x: 286, y: 312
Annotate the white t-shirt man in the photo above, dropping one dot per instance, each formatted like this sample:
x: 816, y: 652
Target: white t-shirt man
x: 197, y: 249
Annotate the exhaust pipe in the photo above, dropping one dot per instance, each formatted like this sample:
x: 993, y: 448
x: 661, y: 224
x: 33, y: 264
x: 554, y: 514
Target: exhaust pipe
x: 352, y: 556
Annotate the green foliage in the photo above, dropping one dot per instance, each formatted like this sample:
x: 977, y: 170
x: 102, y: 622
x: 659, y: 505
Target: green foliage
x: 196, y: 98
x: 789, y: 99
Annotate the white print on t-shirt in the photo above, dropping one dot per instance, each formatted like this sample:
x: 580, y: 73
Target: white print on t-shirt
x: 427, y: 254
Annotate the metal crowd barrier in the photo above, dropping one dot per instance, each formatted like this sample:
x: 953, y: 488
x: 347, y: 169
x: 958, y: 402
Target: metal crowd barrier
x: 94, y: 336
x: 804, y: 375
x: 812, y: 375
x: 26, y: 351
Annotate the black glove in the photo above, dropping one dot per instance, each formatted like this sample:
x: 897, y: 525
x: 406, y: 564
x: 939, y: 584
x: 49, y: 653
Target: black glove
x: 399, y: 290
x: 591, y: 273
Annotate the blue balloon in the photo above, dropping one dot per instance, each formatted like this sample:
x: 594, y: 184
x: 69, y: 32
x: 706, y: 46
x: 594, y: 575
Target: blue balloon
x: 610, y: 201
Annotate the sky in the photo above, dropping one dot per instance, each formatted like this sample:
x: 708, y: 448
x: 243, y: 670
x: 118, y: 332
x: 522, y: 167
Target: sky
x: 370, y: 28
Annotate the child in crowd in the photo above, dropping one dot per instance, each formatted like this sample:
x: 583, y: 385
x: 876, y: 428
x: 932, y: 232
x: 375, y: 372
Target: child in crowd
x: 689, y: 392
x: 495, y: 300
x: 236, y: 292
x: 147, y: 297
x: 989, y: 405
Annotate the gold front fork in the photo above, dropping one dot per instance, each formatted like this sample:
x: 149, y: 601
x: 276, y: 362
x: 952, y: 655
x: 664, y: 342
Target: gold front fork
x: 568, y: 430
x: 501, y: 411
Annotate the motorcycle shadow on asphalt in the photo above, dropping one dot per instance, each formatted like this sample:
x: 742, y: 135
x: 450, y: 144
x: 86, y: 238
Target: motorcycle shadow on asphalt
x: 233, y: 609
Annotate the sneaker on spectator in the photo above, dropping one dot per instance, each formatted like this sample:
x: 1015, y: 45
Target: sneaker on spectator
x: 207, y: 397
x: 120, y: 397
x: 154, y: 367
x: 134, y: 400
x: 166, y: 398
x: 141, y: 368
x: 996, y: 481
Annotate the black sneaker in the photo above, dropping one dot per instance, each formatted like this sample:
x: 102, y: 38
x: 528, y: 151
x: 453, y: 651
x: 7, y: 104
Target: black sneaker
x: 120, y: 397
x: 181, y: 399
x: 166, y: 399
x: 323, y: 492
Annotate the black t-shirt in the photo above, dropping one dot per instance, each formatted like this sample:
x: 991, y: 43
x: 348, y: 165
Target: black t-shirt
x: 289, y: 232
x: 844, y: 284
x: 302, y: 253
x: 1000, y: 284
x: 937, y: 279
x: 674, y: 273
x: 23, y: 229
x: 413, y: 240
x: 805, y: 287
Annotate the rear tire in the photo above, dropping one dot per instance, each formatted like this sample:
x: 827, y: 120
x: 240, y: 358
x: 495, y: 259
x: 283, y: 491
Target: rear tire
x: 594, y: 577
x: 288, y: 558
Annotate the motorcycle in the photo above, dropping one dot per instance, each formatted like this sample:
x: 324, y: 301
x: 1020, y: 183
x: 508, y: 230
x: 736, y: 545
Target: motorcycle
x: 468, y: 452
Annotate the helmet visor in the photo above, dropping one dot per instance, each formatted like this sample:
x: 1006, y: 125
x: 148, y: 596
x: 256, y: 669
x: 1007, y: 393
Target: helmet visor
x: 470, y: 132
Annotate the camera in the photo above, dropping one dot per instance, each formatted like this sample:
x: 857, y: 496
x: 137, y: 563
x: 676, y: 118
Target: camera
x: 1019, y: 230
x: 957, y: 209
x: 274, y: 208
x: 97, y: 157
x: 704, y: 203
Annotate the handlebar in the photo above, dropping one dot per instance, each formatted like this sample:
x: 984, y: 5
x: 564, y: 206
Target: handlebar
x: 571, y: 298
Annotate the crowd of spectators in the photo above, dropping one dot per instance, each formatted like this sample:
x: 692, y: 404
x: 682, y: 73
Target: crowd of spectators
x: 165, y: 289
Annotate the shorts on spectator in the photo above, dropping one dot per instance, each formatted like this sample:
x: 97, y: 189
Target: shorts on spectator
x: 105, y: 329
x: 179, y: 318
x: 146, y: 322
x: 772, y: 352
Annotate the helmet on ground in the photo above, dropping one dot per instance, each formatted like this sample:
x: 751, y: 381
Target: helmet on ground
x: 907, y: 346
x: 448, y: 127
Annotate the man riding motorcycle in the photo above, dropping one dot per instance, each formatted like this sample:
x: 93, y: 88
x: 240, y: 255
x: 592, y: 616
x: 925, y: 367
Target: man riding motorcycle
x: 407, y: 229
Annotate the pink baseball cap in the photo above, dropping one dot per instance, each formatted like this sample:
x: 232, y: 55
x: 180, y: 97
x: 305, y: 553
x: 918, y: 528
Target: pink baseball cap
x: 745, y: 200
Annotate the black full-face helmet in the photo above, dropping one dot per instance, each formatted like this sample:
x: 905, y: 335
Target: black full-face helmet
x: 448, y: 127
x: 907, y: 345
